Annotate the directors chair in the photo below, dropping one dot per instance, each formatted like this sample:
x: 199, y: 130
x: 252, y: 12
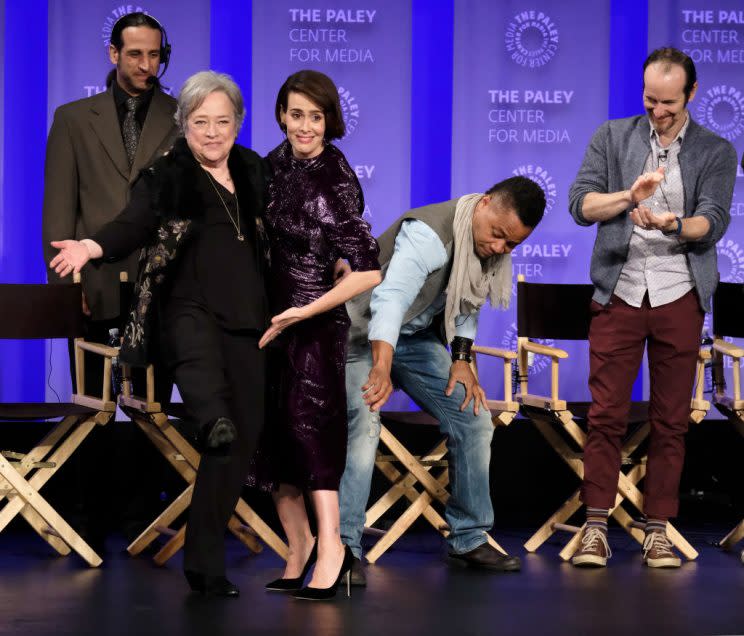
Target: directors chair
x: 728, y: 323
x: 44, y: 312
x: 561, y: 312
x: 413, y: 476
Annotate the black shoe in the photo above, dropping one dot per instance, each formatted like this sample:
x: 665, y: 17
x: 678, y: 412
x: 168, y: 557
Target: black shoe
x: 327, y: 593
x: 211, y: 585
x: 487, y: 557
x: 358, y: 575
x: 216, y: 436
x: 292, y: 585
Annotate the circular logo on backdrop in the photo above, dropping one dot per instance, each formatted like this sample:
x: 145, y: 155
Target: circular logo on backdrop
x: 542, y: 178
x: 531, y: 39
x: 539, y: 363
x: 349, y: 109
x: 722, y: 110
x: 117, y: 12
x: 730, y: 261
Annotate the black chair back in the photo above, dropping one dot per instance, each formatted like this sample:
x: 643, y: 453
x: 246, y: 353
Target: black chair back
x: 554, y: 311
x: 41, y: 311
x: 728, y: 310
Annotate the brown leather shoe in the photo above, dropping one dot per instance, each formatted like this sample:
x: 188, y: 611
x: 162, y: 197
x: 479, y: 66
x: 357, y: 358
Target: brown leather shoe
x: 594, y: 550
x: 487, y: 557
x: 658, y: 551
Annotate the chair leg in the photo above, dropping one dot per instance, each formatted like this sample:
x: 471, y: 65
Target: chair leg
x: 32, y: 498
x: 163, y: 520
x: 173, y: 545
x: 262, y: 529
x: 42, y: 475
x: 42, y: 449
x: 243, y: 534
x: 733, y: 537
x: 413, y: 466
x: 560, y: 516
x: 403, y: 486
x: 401, y: 524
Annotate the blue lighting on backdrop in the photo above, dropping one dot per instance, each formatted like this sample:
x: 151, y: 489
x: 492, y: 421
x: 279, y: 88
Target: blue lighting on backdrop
x: 426, y: 104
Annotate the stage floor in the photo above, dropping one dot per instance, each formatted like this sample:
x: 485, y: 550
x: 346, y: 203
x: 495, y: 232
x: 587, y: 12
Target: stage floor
x: 412, y: 590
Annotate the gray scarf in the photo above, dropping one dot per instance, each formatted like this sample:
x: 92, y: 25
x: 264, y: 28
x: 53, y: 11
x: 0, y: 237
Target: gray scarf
x: 471, y: 279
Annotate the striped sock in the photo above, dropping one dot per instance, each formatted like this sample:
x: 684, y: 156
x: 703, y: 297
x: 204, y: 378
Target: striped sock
x: 597, y: 517
x: 656, y: 525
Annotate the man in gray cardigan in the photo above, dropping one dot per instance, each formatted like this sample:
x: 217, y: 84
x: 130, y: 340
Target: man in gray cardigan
x: 441, y: 260
x: 659, y: 187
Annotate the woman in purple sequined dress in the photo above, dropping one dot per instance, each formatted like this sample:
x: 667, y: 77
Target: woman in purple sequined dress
x: 314, y: 220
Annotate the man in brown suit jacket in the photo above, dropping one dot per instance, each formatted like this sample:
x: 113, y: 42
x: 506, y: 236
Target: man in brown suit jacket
x: 88, y: 171
x: 96, y: 148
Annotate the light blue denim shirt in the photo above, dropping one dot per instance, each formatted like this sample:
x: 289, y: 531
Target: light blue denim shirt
x: 418, y: 253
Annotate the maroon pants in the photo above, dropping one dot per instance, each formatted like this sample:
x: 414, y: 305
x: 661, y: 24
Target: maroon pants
x: 617, y: 337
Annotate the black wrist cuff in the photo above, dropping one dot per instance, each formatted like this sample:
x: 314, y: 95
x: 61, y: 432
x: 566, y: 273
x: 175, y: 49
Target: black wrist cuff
x: 460, y: 349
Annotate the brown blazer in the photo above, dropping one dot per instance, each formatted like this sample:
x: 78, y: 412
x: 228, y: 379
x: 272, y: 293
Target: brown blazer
x: 87, y: 179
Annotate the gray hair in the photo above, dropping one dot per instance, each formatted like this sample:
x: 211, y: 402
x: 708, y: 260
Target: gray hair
x: 198, y: 87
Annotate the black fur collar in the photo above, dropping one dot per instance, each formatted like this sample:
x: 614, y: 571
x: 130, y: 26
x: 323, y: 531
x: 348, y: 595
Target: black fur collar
x: 174, y: 181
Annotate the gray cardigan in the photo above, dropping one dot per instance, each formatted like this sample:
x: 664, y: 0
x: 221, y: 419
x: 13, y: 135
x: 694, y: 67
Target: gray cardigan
x: 615, y: 158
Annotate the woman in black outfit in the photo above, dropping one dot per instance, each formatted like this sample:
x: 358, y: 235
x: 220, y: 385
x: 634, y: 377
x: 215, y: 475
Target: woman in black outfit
x: 200, y: 297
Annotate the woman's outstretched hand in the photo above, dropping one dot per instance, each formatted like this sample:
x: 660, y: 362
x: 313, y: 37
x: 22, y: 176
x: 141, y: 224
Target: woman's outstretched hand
x: 73, y: 255
x: 280, y: 322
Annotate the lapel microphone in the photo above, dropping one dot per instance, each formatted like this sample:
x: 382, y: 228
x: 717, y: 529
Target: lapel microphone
x: 663, y: 154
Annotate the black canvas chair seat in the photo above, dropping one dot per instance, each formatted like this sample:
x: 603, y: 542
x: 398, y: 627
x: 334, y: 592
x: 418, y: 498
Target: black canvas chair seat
x: 37, y: 411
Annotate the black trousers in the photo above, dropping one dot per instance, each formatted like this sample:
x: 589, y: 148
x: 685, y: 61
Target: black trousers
x: 219, y: 373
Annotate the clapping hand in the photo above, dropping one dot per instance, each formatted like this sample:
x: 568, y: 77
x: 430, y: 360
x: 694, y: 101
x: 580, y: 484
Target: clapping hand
x: 645, y: 218
x: 646, y: 184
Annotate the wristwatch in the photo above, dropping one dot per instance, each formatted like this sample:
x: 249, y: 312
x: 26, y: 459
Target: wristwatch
x: 677, y: 231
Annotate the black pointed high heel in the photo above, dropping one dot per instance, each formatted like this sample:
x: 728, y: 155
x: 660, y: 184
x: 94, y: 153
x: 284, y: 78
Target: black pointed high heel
x: 327, y: 593
x: 292, y: 585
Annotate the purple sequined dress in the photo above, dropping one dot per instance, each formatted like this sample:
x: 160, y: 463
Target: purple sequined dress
x: 314, y: 217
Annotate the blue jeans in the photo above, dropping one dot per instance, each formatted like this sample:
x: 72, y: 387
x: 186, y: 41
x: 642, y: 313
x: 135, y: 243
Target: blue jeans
x: 421, y: 368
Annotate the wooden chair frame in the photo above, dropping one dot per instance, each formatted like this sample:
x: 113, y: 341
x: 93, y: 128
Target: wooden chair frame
x: 557, y: 425
x: 415, y: 480
x: 731, y: 407
x: 22, y: 475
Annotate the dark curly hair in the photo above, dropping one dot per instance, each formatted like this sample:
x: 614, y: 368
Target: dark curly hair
x: 523, y: 195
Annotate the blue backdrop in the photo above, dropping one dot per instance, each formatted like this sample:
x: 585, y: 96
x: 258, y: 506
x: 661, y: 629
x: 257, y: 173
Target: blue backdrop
x: 443, y: 97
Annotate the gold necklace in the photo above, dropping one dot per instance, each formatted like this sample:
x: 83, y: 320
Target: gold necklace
x: 236, y: 223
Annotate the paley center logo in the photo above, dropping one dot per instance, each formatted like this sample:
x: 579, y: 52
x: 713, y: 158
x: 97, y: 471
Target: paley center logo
x: 117, y: 12
x: 722, y: 110
x: 531, y: 38
x: 541, y: 177
x: 536, y: 363
x: 730, y: 261
x: 349, y: 109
